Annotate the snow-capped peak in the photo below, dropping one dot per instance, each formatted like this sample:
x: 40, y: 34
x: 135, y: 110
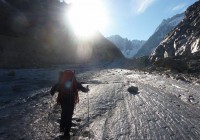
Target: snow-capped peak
x: 175, y: 20
x: 128, y: 48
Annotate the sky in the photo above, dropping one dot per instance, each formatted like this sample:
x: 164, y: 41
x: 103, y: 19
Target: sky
x: 138, y: 19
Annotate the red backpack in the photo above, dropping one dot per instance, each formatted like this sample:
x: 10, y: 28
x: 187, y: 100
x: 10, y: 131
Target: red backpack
x: 68, y: 87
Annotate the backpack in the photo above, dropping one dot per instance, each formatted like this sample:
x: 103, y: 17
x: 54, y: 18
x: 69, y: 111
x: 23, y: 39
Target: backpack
x: 68, y: 87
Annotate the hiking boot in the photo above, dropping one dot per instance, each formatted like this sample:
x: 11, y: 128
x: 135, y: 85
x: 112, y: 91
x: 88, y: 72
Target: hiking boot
x: 62, y: 130
x: 66, y: 137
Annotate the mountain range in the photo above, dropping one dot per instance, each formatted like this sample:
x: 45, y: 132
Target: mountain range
x: 128, y: 48
x: 161, y: 31
x: 32, y: 33
x: 181, y: 47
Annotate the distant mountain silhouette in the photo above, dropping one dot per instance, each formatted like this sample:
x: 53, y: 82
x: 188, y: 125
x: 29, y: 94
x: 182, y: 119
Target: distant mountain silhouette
x: 128, y: 48
x: 34, y: 33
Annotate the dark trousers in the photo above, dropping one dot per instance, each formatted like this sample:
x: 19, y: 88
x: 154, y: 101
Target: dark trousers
x: 66, y: 116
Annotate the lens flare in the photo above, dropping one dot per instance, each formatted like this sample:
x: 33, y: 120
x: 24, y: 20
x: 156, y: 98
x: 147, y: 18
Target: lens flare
x: 87, y: 16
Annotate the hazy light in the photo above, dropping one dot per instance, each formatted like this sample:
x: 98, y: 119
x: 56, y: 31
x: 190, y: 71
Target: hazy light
x: 67, y: 1
x: 87, y: 16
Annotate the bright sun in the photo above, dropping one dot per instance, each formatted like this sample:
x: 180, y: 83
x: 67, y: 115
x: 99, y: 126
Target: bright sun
x: 87, y: 16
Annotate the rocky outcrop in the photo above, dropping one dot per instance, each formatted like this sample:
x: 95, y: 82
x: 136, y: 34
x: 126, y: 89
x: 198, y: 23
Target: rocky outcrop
x: 184, y: 39
x: 162, y: 30
x: 180, y: 50
x: 34, y: 33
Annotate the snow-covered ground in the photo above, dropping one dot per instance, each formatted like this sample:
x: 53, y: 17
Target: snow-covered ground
x: 163, y: 108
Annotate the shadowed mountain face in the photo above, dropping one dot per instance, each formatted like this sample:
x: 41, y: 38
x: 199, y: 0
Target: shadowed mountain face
x: 183, y: 43
x: 162, y: 30
x: 35, y: 33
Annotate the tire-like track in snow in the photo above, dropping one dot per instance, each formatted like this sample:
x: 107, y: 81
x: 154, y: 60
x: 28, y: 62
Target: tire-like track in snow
x: 163, y: 109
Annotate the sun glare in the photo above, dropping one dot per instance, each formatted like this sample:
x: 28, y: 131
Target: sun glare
x: 87, y: 16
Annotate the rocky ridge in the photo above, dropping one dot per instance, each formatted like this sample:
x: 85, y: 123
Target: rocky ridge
x: 181, y: 48
x: 162, y: 30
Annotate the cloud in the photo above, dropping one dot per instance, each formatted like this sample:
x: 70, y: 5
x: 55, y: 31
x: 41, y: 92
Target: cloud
x: 178, y: 7
x: 140, y: 6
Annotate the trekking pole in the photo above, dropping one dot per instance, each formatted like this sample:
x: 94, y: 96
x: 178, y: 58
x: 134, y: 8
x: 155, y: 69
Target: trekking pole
x: 49, y: 111
x: 88, y: 114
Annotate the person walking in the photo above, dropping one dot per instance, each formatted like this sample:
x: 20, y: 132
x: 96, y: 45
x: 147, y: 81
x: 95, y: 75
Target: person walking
x: 67, y: 88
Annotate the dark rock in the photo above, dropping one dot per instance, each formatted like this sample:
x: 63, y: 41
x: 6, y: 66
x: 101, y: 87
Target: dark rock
x: 182, y: 78
x: 76, y: 119
x: 167, y: 75
x: 86, y: 134
x: 192, y: 100
x: 133, y: 90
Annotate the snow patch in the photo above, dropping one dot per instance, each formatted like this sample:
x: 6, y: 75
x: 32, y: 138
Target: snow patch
x: 195, y: 46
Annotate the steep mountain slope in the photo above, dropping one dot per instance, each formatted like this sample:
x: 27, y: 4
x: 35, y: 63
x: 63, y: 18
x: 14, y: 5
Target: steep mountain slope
x: 183, y: 43
x: 128, y: 48
x: 33, y: 33
x: 162, y: 30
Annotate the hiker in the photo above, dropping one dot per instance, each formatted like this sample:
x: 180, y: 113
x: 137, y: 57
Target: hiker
x: 67, y: 88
